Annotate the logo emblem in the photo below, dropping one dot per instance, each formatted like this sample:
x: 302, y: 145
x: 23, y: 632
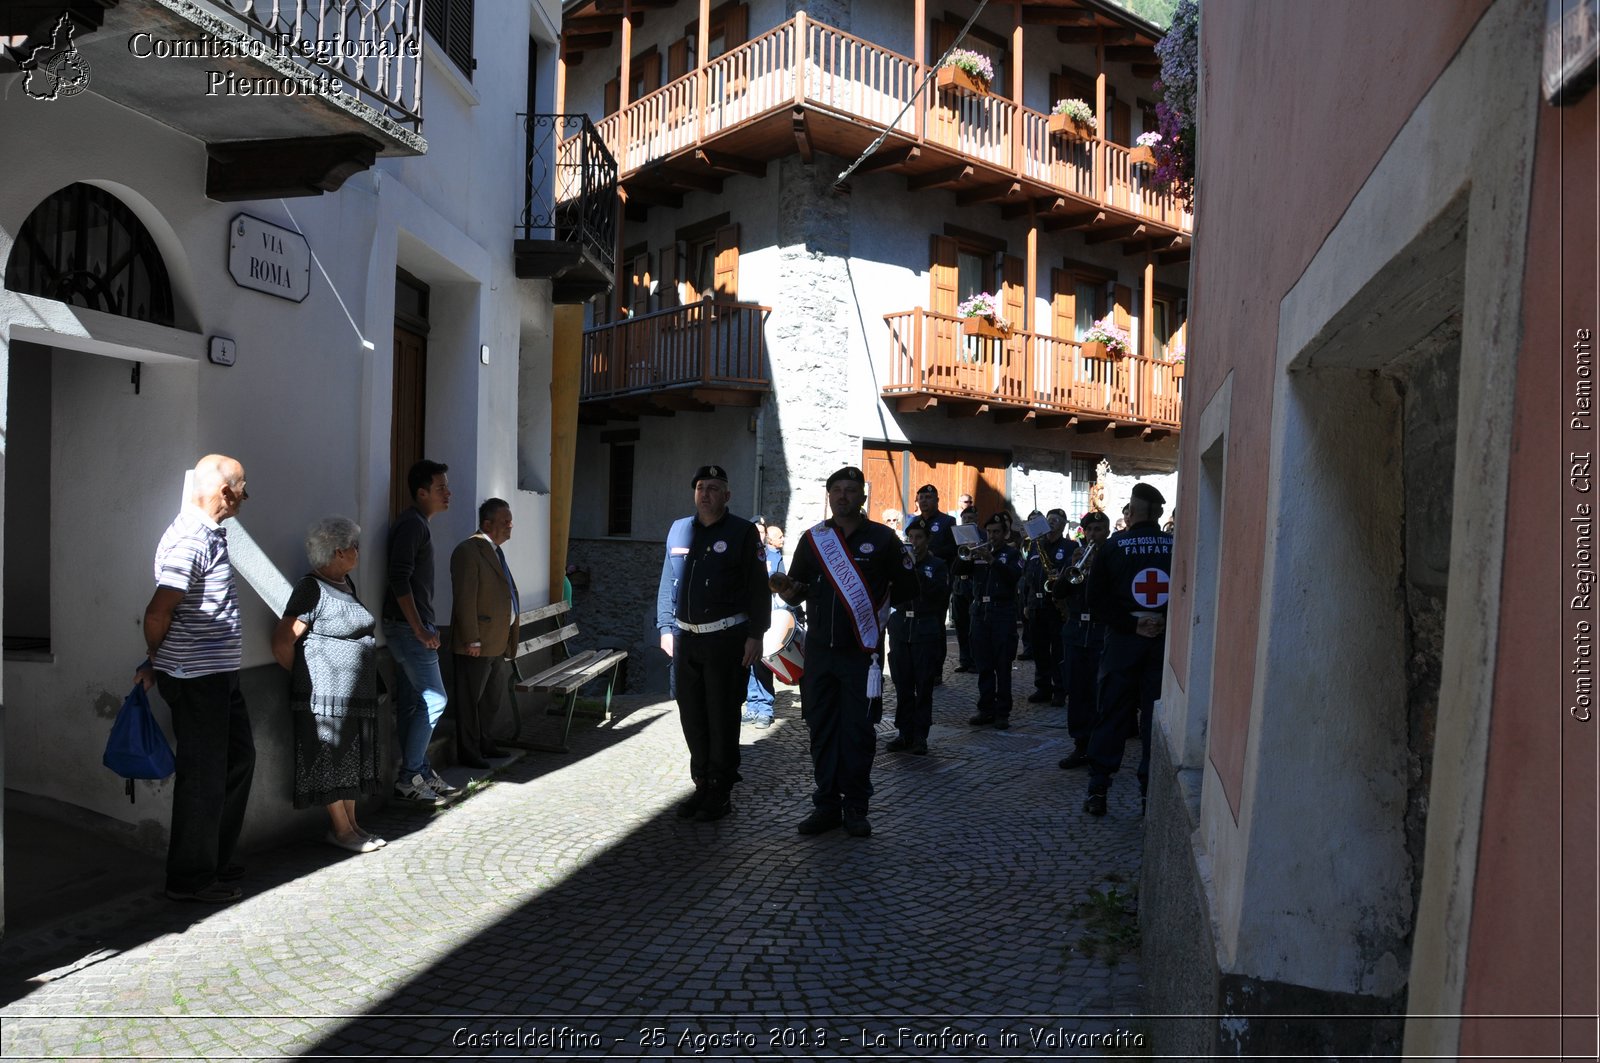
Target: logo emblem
x: 867, y: 548
x: 56, y: 70
x: 720, y: 546
x: 1150, y: 588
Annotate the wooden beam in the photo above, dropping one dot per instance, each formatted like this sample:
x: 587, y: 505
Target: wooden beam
x: 1051, y: 421
x: 1057, y: 16
x: 1172, y: 258
x: 1116, y: 232
x: 1126, y: 431
x: 915, y: 403
x: 965, y: 408
x: 802, y: 134
x: 589, y: 24
x: 1086, y: 427
x: 728, y: 396
x: 1082, y: 219
x: 934, y: 178
x: 704, y: 182
x: 585, y: 42
x: 1130, y: 53
x: 1014, y: 415
x: 656, y: 197
x: 684, y: 401
x: 884, y: 158
x: 1039, y: 205
x: 987, y: 193
x: 722, y: 160
x: 1115, y: 36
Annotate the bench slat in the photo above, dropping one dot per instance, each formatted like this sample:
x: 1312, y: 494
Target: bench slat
x: 575, y: 672
x: 533, y: 616
x: 540, y: 642
x: 556, y: 671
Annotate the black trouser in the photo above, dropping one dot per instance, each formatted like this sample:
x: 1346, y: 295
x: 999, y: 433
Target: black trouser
x: 216, y: 760
x: 711, y: 680
x: 1044, y: 624
x: 913, y: 666
x: 961, y: 611
x: 1130, y: 683
x: 835, y: 706
x: 480, y: 690
x: 1082, y: 671
x: 994, y: 647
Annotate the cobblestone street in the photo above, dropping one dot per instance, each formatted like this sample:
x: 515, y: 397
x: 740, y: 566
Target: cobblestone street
x: 563, y: 911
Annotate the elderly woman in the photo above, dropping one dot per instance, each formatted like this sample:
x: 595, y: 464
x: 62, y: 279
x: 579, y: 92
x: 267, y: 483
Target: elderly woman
x: 325, y: 639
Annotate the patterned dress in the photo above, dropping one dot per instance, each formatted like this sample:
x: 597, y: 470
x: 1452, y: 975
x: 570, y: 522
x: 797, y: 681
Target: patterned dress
x: 334, y: 694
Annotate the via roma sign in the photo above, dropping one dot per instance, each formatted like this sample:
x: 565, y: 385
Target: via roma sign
x: 269, y: 258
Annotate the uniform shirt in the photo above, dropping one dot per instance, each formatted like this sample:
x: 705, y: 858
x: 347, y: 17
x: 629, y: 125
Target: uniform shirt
x: 724, y: 574
x: 1131, y: 574
x: 941, y: 536
x: 994, y: 580
x: 410, y: 568
x: 881, y: 560
x: 921, y: 620
x: 671, y: 573
x: 205, y: 635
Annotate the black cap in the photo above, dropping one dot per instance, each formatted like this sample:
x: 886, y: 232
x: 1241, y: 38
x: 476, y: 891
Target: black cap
x: 999, y: 517
x: 928, y: 487
x: 1093, y: 516
x: 1147, y: 493
x: 709, y: 472
x: 849, y: 472
x: 917, y: 523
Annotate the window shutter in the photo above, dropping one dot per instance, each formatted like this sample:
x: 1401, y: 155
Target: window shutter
x: 1121, y: 124
x: 1122, y: 310
x: 667, y: 277
x: 736, y: 26
x: 613, y: 95
x: 677, y: 59
x: 650, y: 72
x: 726, y: 282
x: 942, y: 276
x: 639, y: 294
x: 944, y: 35
x: 1064, y: 316
x: 450, y: 23
x: 1014, y: 291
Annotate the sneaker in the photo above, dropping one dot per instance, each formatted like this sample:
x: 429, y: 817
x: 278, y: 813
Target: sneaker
x: 1078, y: 759
x: 761, y: 723
x: 415, y: 789
x: 856, y: 823
x: 821, y: 821
x: 1095, y: 804
x: 747, y: 716
x: 437, y: 784
x: 690, y: 807
x: 216, y: 893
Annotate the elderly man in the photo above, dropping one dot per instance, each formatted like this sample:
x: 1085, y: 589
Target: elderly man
x: 715, y: 574
x: 483, y: 631
x: 192, y: 634
x: 1127, y: 591
x: 847, y: 570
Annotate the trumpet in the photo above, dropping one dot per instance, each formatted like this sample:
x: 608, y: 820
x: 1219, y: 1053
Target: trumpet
x: 1080, y: 568
x: 981, y: 551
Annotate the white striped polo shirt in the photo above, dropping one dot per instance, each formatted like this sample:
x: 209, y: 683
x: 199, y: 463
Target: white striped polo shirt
x: 205, y: 636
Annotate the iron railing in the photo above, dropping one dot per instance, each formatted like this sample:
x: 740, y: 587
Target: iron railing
x: 570, y: 185
x: 373, y: 46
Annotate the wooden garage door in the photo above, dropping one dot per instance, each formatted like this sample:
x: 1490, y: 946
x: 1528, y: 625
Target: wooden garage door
x: 894, y: 472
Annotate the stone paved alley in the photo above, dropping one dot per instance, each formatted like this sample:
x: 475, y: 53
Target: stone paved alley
x: 564, y: 912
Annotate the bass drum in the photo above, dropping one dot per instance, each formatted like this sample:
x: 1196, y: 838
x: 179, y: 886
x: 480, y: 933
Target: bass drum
x: 783, y: 650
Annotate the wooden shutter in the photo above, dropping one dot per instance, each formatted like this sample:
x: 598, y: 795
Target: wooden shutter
x: 735, y: 26
x: 1122, y: 311
x: 1121, y: 124
x: 942, y: 298
x: 677, y: 59
x: 667, y: 277
x: 648, y: 66
x: 726, y: 282
x: 639, y: 285
x: 1063, y: 314
x: 1014, y: 291
x: 613, y: 95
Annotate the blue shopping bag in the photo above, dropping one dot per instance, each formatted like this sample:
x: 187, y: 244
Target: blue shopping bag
x: 137, y: 748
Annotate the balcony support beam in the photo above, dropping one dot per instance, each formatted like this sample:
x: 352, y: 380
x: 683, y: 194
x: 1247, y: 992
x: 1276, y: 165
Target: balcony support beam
x: 802, y: 135
x: 987, y: 193
x: 884, y: 158
x: 722, y: 160
x: 1014, y: 415
x: 960, y: 408
x: 1035, y: 205
x: 915, y: 403
x: 1082, y: 219
x: 1052, y: 421
x: 1119, y: 232
x: 935, y: 178
x: 296, y: 166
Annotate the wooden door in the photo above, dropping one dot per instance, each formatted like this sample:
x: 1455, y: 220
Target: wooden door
x: 980, y: 473
x: 408, y: 414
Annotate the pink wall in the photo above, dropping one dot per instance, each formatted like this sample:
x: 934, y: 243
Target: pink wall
x: 1289, y: 134
x: 1533, y: 939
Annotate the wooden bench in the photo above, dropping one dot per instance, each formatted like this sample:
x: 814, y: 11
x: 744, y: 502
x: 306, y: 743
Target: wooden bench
x: 567, y: 675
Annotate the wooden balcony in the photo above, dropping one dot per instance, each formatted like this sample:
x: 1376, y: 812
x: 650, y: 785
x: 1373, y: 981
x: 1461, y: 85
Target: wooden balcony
x: 695, y: 357
x: 804, y: 86
x: 1027, y: 377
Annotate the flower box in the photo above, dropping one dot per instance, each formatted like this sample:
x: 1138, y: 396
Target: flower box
x: 1177, y: 370
x: 1064, y: 125
x: 954, y: 79
x: 1096, y: 350
x: 1141, y: 156
x: 982, y: 326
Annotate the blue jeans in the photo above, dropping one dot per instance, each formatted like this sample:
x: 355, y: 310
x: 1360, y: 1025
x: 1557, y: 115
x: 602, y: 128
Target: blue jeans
x: 419, y: 697
x: 758, y: 692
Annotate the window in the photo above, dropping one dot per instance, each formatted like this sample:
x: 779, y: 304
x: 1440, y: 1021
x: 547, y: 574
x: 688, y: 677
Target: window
x: 974, y: 274
x: 450, y: 23
x: 711, y: 262
x: 84, y: 246
x: 619, y: 491
x: 1088, y: 302
x: 1083, y: 479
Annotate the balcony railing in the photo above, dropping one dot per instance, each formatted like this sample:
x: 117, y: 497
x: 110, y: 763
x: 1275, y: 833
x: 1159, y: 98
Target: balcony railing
x: 710, y: 344
x: 929, y: 355
x: 570, y: 186
x: 373, y: 46
x: 805, y: 63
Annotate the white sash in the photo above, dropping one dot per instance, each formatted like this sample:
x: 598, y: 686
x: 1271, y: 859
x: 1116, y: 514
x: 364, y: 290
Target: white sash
x: 849, y: 585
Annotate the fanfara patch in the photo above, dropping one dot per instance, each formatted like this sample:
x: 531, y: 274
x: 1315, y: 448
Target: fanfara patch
x: 867, y: 548
x: 720, y: 546
x: 1150, y: 588
x: 934, y: 527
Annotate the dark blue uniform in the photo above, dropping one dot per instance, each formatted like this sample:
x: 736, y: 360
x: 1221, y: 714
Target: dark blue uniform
x: 1082, y: 639
x: 833, y: 689
x: 1042, y: 620
x: 1131, y: 576
x: 942, y: 545
x: 719, y: 575
x: 961, y: 612
x: 994, y: 629
x: 916, y: 641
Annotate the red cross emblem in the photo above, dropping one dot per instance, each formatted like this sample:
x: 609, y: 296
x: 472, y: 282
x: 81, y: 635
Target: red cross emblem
x: 1150, y: 588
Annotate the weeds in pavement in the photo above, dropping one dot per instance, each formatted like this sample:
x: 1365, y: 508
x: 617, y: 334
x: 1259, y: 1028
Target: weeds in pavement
x: 1111, y: 923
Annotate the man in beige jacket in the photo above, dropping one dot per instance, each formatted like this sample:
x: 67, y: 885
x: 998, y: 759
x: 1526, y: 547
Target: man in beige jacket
x: 483, y: 631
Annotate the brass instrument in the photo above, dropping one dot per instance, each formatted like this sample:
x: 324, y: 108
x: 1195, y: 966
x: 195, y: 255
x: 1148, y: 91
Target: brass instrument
x: 970, y: 553
x: 1050, y: 573
x: 1080, y: 568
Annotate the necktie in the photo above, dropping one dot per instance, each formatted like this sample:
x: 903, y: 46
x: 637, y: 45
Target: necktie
x: 516, y: 606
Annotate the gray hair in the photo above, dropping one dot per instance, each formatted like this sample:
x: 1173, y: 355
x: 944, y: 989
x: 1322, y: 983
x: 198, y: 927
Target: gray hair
x: 328, y: 535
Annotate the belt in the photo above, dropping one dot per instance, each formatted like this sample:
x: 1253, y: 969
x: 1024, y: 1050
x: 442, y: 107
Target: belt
x: 715, y: 625
x: 1085, y: 617
x: 1036, y: 594
x: 985, y: 600
x: 908, y: 613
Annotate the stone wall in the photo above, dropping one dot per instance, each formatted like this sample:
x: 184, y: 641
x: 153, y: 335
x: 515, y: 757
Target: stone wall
x: 618, y: 605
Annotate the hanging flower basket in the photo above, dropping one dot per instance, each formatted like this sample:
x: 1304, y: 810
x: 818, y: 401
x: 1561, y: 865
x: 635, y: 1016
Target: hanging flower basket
x: 1106, y: 339
x: 954, y: 79
x: 1096, y: 350
x: 1177, y: 370
x: 1141, y: 157
x: 988, y: 328
x: 1070, y: 128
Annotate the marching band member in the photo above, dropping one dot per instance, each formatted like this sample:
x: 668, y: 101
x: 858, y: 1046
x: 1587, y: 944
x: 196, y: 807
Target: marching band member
x: 1081, y: 638
x: 916, y: 637
x: 995, y: 567
x: 1051, y: 554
